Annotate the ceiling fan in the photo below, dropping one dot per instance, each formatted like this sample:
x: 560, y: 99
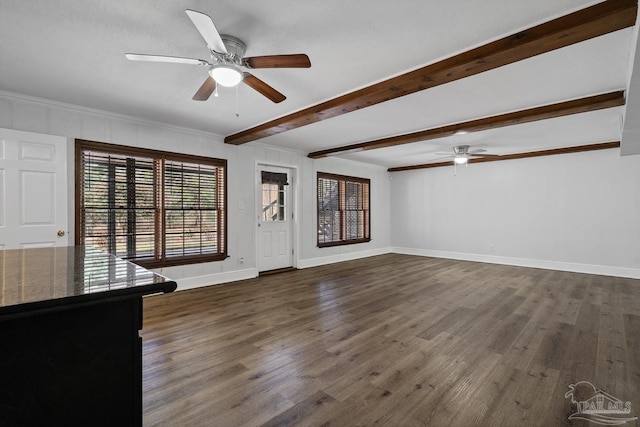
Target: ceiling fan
x: 227, y: 58
x: 462, y: 154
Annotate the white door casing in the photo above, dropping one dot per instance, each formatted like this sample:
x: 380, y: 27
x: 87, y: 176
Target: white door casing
x: 33, y: 190
x: 275, y: 219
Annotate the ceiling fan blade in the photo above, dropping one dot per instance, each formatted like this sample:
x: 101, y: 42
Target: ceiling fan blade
x: 483, y: 155
x: 260, y: 86
x: 441, y: 153
x: 208, y: 30
x: 299, y: 60
x: 442, y: 158
x: 205, y: 90
x: 162, y: 58
x: 479, y: 150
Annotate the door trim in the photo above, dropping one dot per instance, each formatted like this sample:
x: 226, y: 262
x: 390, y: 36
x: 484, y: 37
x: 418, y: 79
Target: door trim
x: 295, y: 196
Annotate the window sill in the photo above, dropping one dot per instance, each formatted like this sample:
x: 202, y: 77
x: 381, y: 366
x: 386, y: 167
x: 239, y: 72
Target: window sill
x: 343, y: 242
x: 172, y: 262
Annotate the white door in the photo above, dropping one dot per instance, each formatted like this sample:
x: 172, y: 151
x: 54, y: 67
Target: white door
x: 33, y: 190
x: 275, y: 219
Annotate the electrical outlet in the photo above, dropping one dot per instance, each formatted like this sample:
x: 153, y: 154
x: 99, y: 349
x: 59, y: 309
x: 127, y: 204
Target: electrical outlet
x: 241, y: 261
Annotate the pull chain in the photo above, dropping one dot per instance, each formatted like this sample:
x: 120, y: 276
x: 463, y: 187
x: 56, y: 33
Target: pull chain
x: 237, y: 113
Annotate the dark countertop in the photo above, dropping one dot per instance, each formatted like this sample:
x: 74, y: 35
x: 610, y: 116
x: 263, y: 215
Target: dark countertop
x: 51, y: 278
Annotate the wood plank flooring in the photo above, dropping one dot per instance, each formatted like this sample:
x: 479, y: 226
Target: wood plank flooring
x: 392, y: 340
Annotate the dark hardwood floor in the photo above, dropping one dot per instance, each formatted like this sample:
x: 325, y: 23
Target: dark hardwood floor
x: 392, y: 340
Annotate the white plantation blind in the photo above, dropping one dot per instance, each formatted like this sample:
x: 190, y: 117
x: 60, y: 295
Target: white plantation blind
x: 152, y: 207
x: 343, y: 209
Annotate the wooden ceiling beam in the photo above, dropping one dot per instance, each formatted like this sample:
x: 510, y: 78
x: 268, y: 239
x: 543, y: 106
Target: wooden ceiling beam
x: 594, y: 21
x: 550, y: 152
x: 576, y: 106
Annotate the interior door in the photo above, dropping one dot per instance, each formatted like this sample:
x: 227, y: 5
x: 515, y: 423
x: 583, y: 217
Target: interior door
x: 33, y: 190
x: 275, y: 219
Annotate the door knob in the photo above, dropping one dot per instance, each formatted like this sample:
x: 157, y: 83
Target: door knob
x: 259, y: 224
x: 60, y: 233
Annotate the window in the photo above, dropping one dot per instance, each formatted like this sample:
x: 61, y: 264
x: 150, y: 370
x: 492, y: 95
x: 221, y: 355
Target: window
x: 343, y: 210
x: 273, y: 196
x: 151, y: 207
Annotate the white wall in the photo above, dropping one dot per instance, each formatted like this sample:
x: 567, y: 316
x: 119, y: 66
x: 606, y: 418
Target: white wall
x: 36, y: 115
x: 575, y: 212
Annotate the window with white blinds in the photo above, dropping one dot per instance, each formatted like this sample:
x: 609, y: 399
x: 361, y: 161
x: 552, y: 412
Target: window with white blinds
x: 152, y: 207
x: 343, y: 210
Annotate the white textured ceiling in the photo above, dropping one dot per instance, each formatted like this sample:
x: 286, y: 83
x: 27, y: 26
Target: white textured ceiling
x: 73, y: 52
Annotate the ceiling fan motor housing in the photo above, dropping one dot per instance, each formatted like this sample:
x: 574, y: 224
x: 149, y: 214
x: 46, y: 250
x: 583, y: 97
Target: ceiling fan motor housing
x: 235, y: 48
x: 461, y: 149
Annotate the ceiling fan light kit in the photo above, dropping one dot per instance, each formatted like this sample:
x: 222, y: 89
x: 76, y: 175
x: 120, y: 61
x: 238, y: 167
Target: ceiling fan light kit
x: 226, y: 67
x: 227, y: 75
x: 460, y: 160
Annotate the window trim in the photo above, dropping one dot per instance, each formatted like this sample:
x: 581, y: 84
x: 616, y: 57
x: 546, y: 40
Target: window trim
x: 345, y: 179
x: 86, y: 145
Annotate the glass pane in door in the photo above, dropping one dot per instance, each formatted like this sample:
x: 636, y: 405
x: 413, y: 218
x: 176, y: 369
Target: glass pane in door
x: 273, y: 196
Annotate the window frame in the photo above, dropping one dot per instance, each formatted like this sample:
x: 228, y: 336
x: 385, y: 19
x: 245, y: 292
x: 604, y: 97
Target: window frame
x: 342, y: 202
x: 160, y: 258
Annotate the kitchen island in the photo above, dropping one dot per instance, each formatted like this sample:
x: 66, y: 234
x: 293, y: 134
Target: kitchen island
x: 70, y: 349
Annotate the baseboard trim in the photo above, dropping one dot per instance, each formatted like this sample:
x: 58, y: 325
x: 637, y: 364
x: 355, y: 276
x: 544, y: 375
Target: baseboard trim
x: 331, y: 259
x: 250, y: 273
x: 603, y: 270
